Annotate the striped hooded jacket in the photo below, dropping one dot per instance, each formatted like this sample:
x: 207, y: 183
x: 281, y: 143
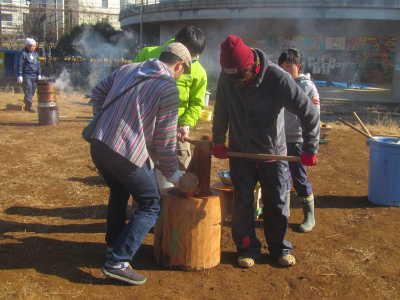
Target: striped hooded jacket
x: 141, y: 124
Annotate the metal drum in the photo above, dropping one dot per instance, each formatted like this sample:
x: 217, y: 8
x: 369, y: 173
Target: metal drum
x: 47, y: 106
x: 48, y: 113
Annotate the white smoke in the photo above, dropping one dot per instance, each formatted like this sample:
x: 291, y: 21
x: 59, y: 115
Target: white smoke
x: 63, y: 82
x: 103, y: 56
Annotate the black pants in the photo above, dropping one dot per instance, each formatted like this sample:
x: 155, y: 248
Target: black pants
x: 274, y: 181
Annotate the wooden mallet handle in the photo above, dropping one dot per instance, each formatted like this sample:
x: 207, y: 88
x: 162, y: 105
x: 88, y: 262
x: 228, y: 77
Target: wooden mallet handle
x: 258, y: 156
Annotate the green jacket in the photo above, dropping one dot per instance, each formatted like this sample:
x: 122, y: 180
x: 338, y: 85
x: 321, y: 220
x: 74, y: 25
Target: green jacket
x: 192, y: 87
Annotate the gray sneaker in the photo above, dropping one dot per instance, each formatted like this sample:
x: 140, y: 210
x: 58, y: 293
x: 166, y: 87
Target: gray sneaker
x: 126, y: 274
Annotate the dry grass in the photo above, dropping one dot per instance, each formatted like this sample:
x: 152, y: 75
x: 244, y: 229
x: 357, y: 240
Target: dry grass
x: 384, y: 127
x: 53, y: 206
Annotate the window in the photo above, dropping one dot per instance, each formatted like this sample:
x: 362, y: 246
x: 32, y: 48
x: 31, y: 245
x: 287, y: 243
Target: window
x: 6, y: 17
x: 104, y: 3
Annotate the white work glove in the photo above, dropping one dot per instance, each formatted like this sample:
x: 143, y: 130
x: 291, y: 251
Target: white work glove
x: 163, y: 183
x: 39, y: 77
x: 176, y: 177
x: 183, y: 132
x: 20, y: 79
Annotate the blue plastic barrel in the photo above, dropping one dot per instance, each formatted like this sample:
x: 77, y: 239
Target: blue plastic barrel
x: 384, y: 171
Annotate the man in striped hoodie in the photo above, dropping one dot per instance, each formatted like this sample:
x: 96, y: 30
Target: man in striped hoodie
x: 138, y: 128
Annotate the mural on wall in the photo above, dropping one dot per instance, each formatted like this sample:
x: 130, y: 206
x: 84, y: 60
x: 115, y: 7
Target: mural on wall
x: 334, y: 57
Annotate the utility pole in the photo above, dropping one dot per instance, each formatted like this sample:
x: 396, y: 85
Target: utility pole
x: 55, y: 11
x: 141, y: 26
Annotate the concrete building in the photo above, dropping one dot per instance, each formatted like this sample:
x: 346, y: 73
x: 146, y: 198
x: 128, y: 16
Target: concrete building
x: 46, y: 20
x: 341, y: 39
x: 126, y: 3
x: 92, y: 11
x: 49, y: 19
x: 11, y: 18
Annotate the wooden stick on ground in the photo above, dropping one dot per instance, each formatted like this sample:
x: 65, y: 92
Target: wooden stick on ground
x: 361, y: 123
x: 263, y: 156
x: 355, y: 128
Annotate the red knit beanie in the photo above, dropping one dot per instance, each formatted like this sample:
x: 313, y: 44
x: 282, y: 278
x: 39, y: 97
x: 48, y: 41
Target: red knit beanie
x: 235, y: 55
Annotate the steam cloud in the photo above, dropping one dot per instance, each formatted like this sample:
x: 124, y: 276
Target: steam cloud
x: 92, y: 45
x: 63, y: 82
x: 99, y: 59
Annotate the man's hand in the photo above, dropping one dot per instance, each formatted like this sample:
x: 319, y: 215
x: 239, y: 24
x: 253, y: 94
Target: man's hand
x: 20, y: 79
x: 176, y: 177
x: 220, y: 151
x: 315, y: 100
x: 308, y: 159
x: 183, y: 132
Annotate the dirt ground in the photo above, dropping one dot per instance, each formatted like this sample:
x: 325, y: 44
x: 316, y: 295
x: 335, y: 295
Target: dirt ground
x: 52, y: 223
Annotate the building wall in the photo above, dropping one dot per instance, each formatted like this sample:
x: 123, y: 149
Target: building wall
x: 92, y: 11
x: 396, y: 75
x: 268, y: 9
x: 333, y: 34
x: 12, y: 12
x: 126, y: 3
x: 329, y: 46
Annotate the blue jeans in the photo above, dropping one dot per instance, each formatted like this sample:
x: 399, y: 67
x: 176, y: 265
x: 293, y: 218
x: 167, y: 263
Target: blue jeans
x: 29, y: 86
x: 298, y: 171
x: 125, y: 179
x: 274, y: 181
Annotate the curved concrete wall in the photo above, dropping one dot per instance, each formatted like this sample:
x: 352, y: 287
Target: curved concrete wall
x: 201, y: 10
x: 327, y: 18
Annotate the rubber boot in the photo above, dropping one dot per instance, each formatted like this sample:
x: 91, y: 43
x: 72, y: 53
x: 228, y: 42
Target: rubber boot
x: 28, y: 107
x: 309, y: 219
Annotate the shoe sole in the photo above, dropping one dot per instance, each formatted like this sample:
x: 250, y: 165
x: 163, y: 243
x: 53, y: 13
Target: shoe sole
x: 124, y: 279
x: 304, y: 230
x: 287, y: 262
x: 246, y: 264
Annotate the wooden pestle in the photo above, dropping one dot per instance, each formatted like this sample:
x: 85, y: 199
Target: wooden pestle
x: 200, y: 164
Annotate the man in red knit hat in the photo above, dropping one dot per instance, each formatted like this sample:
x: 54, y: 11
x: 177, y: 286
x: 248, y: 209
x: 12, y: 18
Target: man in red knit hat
x: 251, y: 95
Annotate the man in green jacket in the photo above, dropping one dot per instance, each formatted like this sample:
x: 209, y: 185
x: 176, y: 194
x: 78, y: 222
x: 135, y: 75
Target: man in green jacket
x: 192, y: 87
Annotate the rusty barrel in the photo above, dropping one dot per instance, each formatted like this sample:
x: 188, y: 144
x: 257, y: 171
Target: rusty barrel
x: 47, y: 105
x: 46, y: 91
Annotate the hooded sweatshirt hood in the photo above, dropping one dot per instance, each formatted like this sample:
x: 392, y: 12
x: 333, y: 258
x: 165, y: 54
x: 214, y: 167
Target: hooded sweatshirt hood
x: 292, y: 122
x: 152, y: 68
x: 264, y: 63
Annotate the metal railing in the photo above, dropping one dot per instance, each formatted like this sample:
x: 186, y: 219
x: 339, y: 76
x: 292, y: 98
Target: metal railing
x: 134, y: 9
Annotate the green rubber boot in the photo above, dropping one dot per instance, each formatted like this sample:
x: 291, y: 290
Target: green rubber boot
x: 308, y: 208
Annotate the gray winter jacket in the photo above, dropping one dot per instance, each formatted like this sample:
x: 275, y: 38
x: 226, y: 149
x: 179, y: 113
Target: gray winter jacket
x: 28, y: 64
x: 254, y: 115
x: 292, y: 122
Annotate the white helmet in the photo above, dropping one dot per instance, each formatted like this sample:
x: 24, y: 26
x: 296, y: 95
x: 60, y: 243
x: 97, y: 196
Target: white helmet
x: 30, y: 42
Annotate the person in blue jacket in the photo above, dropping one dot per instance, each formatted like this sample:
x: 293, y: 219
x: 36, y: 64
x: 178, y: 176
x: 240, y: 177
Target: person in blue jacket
x: 28, y: 72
